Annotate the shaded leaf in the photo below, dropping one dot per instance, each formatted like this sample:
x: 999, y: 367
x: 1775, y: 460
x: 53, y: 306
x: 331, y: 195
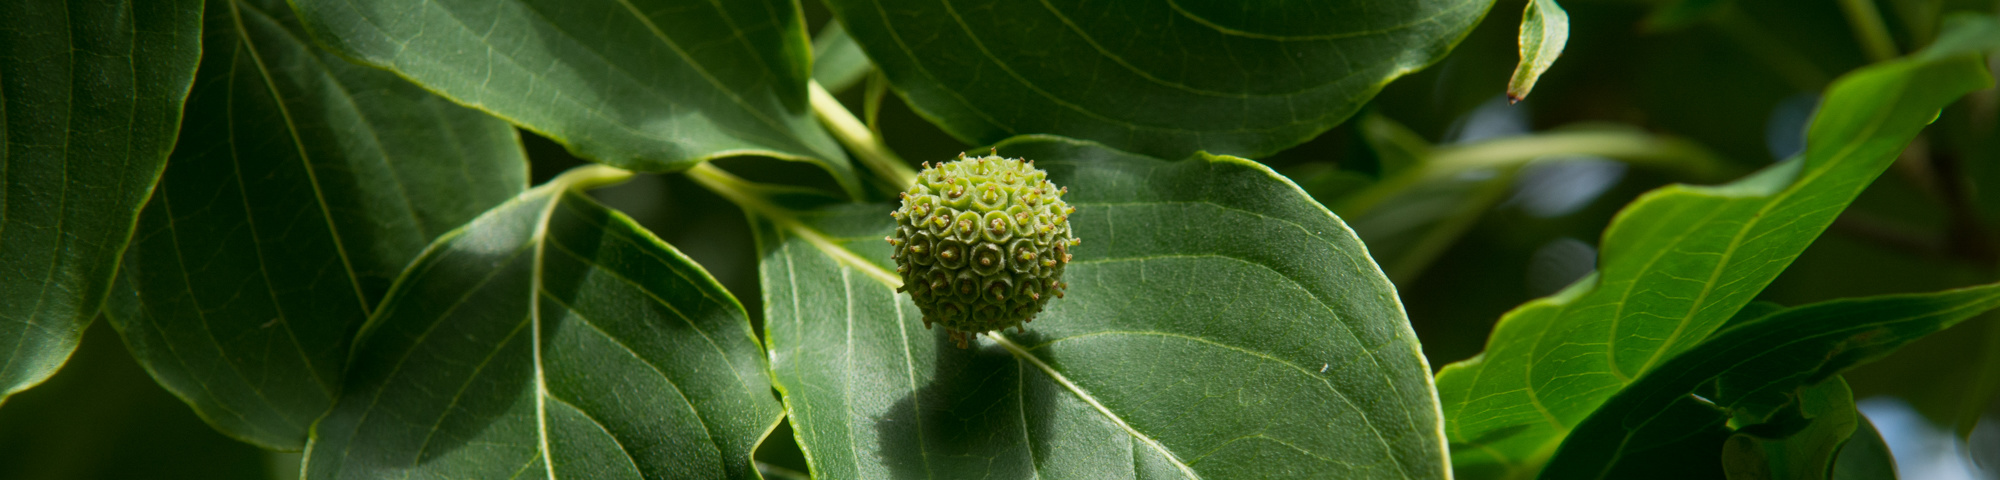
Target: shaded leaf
x: 301, y: 186
x: 1212, y: 264
x: 652, y: 85
x: 551, y: 338
x: 837, y: 61
x: 1865, y: 456
x: 1815, y: 423
x: 90, y: 98
x: 1544, y: 32
x: 1164, y: 79
x: 1678, y: 411
x: 1675, y: 265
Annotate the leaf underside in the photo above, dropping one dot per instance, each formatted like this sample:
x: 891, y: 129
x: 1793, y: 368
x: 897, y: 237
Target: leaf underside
x: 1164, y: 79
x: 90, y: 99
x: 550, y: 338
x: 300, y: 187
x: 1212, y: 264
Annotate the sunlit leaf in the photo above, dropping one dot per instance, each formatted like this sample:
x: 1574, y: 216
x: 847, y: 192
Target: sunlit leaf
x: 90, y: 98
x: 551, y: 338
x: 1676, y: 264
x: 1218, y: 324
x: 301, y: 185
x: 1544, y: 32
x: 1165, y: 79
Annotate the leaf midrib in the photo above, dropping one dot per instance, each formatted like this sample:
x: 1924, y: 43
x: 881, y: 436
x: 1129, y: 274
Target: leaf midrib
x: 306, y: 160
x: 1021, y: 354
x: 1780, y: 197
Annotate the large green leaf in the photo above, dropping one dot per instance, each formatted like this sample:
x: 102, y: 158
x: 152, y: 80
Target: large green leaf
x: 1218, y: 324
x: 1661, y: 425
x: 1159, y: 78
x: 1676, y: 264
x: 301, y: 186
x: 654, y: 85
x: 551, y: 338
x: 90, y: 98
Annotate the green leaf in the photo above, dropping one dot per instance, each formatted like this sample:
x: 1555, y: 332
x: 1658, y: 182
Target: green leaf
x: 1164, y: 79
x: 837, y: 61
x: 301, y: 186
x: 90, y: 98
x: 1679, y: 410
x: 1865, y: 456
x: 651, y: 85
x: 1823, y: 416
x: 1544, y: 32
x: 1218, y: 324
x: 1675, y: 265
x: 551, y: 338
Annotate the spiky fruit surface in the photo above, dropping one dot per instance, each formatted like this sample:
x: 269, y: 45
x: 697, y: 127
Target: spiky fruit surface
x: 981, y: 243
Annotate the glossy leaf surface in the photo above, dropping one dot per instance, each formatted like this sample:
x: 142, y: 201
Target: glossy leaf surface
x: 1676, y: 264
x: 90, y: 98
x: 1187, y: 270
x: 551, y: 338
x: 652, y: 85
x: 1653, y: 427
x: 1165, y: 79
x: 301, y: 186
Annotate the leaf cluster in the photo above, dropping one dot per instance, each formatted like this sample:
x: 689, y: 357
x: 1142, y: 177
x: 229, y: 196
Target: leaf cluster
x: 646, y: 238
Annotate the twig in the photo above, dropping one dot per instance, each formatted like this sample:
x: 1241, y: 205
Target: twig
x: 860, y: 139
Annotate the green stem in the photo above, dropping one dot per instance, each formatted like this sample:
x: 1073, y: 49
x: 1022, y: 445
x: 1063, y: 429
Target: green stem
x: 755, y: 200
x: 859, y: 139
x: 591, y: 176
x: 1869, y: 29
x: 1433, y: 243
x: 1636, y: 148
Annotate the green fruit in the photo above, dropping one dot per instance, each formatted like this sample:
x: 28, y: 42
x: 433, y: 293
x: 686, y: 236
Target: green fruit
x: 981, y: 243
